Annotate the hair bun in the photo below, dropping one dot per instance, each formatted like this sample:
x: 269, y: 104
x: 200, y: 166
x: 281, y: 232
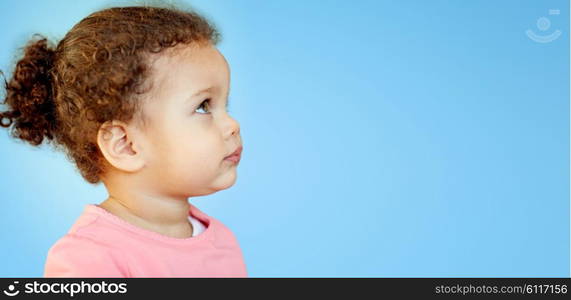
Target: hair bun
x: 30, y: 95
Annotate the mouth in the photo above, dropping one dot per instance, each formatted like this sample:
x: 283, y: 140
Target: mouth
x: 235, y: 156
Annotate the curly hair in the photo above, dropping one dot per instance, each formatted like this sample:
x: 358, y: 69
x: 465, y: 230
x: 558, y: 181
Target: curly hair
x: 96, y: 73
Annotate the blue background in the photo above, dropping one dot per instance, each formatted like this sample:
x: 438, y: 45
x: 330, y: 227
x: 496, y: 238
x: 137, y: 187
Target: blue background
x: 381, y: 139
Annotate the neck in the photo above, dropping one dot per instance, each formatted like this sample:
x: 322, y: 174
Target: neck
x: 165, y: 215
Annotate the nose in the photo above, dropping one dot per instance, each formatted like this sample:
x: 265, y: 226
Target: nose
x: 232, y: 127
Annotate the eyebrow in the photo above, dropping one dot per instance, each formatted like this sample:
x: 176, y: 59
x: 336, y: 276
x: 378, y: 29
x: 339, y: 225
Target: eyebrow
x: 209, y: 89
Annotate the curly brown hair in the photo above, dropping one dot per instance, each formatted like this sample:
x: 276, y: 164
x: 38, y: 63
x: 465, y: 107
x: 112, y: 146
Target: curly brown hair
x: 96, y: 73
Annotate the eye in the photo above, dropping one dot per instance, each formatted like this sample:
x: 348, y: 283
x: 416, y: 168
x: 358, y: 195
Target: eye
x: 205, y: 103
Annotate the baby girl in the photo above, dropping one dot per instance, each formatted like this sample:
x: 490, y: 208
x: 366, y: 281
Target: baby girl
x: 137, y: 98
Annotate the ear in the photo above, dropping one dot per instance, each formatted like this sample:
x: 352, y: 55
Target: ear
x: 118, y: 145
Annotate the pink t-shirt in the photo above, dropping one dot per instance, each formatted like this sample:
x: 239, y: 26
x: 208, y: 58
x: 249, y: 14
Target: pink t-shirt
x: 100, y: 244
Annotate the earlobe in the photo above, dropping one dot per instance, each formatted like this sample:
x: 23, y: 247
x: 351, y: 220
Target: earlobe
x: 117, y: 146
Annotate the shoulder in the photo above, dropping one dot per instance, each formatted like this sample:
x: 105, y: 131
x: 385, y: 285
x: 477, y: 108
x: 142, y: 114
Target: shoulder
x: 224, y: 237
x: 79, y: 256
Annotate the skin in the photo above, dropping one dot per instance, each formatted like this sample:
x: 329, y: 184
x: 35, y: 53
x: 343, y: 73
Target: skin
x: 179, y: 152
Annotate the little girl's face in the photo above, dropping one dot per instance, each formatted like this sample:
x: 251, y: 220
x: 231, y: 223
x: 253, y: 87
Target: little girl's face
x: 190, y: 131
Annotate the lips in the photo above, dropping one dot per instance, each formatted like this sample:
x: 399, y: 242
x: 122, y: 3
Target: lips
x: 236, y: 154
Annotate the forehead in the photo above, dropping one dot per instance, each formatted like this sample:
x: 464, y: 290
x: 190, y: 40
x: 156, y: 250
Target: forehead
x: 189, y: 68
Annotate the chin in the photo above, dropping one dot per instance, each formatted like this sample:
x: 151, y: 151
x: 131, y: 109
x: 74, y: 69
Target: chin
x: 226, y: 182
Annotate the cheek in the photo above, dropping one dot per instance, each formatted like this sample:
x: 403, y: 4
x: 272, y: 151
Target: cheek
x: 197, y: 146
